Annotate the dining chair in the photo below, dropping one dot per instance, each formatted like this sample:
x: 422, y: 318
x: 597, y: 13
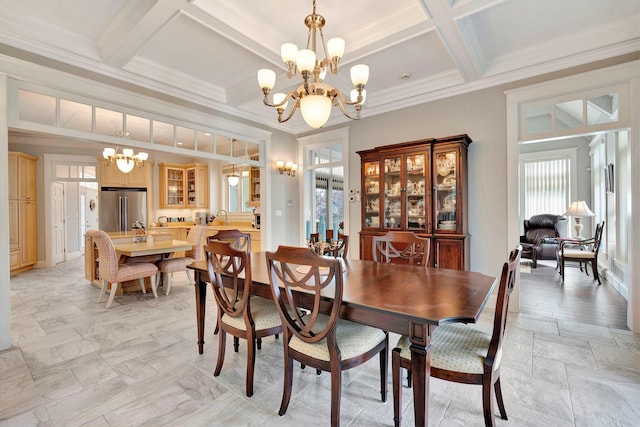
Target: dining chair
x: 237, y: 239
x: 406, y: 248
x: 319, y: 338
x: 242, y: 242
x: 463, y: 353
x: 239, y: 314
x: 587, y: 252
x: 339, y: 247
x: 112, y: 272
x: 168, y: 266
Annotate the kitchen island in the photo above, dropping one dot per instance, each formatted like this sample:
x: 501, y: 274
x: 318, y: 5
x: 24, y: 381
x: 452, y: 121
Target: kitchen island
x: 179, y: 231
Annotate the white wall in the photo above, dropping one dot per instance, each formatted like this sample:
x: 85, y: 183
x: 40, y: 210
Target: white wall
x: 482, y: 116
x: 5, y: 294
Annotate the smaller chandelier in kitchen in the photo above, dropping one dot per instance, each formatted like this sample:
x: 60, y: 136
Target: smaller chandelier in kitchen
x: 314, y: 97
x: 125, y: 160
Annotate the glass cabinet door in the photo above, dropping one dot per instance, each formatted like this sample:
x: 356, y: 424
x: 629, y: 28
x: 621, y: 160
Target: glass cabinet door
x: 416, y: 192
x: 371, y: 194
x: 191, y: 187
x: 444, y: 178
x: 175, y: 187
x: 392, y: 193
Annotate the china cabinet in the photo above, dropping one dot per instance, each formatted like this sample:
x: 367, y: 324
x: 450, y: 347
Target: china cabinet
x: 184, y: 186
x: 418, y: 187
x: 22, y: 212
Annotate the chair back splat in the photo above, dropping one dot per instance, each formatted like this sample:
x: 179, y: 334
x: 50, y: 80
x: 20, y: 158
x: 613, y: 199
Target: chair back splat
x: 407, y: 248
x: 319, y: 338
x: 237, y: 239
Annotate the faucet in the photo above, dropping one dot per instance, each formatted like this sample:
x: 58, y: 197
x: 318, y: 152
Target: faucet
x: 226, y: 216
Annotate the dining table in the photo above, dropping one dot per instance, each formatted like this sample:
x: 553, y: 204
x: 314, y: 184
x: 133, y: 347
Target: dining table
x: 404, y: 299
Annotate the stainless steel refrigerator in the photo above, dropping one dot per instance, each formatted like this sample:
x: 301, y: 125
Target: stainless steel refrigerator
x: 121, y: 207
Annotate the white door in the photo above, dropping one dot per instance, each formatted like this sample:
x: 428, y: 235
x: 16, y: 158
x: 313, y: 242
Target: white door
x: 57, y: 204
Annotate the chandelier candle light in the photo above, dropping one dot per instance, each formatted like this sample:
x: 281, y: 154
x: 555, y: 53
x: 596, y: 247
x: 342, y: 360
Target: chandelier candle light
x: 577, y: 210
x: 314, y: 97
x: 125, y: 160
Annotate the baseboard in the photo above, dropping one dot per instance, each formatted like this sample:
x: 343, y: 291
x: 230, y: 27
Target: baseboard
x: 614, y: 281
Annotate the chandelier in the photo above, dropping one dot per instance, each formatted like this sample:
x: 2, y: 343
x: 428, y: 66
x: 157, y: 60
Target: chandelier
x: 125, y: 160
x: 314, y: 97
x: 233, y: 178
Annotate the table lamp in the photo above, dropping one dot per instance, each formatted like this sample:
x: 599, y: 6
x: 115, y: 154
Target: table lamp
x: 577, y: 210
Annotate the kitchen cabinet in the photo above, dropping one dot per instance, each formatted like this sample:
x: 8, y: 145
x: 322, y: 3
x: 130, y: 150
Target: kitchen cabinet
x: 184, y: 186
x: 22, y: 212
x: 111, y: 176
x: 254, y: 185
x: 418, y: 187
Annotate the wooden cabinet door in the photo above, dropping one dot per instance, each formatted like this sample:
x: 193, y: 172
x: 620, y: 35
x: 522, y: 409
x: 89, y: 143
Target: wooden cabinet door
x: 14, y: 225
x: 26, y: 179
x: 449, y: 253
x: 13, y: 176
x: 137, y: 178
x: 202, y: 187
x: 28, y: 239
x: 109, y: 175
x: 172, y: 187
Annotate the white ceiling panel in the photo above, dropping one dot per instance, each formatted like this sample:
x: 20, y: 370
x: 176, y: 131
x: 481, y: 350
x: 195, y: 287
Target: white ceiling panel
x: 208, y: 51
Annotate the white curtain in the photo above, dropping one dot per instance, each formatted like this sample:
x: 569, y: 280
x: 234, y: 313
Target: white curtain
x: 546, y: 186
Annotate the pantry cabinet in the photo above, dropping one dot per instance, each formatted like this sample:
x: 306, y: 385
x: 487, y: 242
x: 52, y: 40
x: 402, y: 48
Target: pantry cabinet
x: 22, y: 212
x: 418, y: 187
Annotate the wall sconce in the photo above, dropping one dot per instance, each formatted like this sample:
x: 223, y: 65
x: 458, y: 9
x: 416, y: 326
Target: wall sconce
x: 286, y: 168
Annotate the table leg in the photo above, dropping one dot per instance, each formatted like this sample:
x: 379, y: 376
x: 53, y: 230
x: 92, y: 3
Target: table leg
x: 201, y: 308
x: 420, y: 336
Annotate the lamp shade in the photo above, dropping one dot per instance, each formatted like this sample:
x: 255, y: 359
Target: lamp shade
x: 266, y: 78
x: 125, y: 164
x: 316, y: 110
x: 579, y: 208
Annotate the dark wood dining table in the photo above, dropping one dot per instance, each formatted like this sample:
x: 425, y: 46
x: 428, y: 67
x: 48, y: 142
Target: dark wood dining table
x: 405, y: 299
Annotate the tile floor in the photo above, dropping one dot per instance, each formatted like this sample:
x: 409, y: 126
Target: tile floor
x: 74, y: 363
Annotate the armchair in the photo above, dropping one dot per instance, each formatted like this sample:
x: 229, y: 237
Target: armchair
x: 537, y: 229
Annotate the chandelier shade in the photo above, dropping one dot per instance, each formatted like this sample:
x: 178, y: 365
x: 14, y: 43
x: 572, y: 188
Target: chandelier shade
x: 126, y: 160
x: 233, y: 178
x: 314, y: 97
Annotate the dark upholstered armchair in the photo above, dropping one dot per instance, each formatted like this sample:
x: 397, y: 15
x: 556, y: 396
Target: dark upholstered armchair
x: 536, y: 230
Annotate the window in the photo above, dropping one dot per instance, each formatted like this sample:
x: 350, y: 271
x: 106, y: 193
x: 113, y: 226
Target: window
x: 547, y: 182
x: 240, y: 194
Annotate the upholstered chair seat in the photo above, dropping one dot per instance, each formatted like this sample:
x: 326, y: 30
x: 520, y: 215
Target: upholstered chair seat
x: 455, y: 347
x: 353, y: 339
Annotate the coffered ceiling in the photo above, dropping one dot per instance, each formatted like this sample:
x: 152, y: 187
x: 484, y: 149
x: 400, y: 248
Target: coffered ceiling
x: 208, y: 51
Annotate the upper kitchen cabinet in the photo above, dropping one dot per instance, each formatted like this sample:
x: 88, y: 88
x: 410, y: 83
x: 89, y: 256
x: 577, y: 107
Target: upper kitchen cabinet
x: 254, y: 184
x: 111, y: 176
x: 418, y: 187
x: 184, y: 186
